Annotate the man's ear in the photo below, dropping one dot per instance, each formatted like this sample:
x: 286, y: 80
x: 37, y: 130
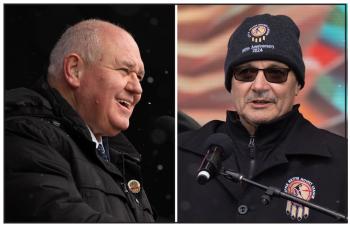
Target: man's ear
x: 72, y: 66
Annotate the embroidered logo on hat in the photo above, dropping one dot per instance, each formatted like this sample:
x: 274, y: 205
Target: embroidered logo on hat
x: 258, y: 32
x: 300, y: 188
x: 134, y: 186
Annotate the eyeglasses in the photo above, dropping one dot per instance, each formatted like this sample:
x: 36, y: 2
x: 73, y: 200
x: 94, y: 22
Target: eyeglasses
x: 272, y: 75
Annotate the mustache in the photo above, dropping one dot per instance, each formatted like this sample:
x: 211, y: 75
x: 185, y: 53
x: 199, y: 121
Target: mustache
x: 260, y: 96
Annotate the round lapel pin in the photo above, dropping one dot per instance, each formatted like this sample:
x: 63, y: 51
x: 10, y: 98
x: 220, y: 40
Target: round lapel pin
x: 134, y: 186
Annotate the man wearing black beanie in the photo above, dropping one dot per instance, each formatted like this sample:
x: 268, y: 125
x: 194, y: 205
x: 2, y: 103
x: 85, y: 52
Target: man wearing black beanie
x: 272, y: 143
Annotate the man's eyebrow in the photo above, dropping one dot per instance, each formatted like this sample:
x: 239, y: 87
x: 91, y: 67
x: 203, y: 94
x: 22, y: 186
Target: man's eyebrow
x: 124, y: 63
x: 129, y: 64
x: 132, y: 65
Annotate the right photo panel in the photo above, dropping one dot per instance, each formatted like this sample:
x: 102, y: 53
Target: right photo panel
x: 262, y: 126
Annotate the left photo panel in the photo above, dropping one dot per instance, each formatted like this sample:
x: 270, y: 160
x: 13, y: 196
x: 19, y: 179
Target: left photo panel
x: 89, y: 106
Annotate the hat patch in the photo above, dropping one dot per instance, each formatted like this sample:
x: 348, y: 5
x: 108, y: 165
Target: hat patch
x: 303, y: 189
x: 258, y: 33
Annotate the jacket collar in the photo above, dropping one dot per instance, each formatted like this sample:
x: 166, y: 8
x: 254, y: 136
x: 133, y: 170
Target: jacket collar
x: 266, y: 133
x: 299, y: 136
x: 304, y: 139
x: 291, y: 128
x: 61, y: 108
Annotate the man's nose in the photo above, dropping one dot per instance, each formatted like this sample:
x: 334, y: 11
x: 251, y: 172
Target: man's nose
x: 134, y: 84
x: 260, y: 83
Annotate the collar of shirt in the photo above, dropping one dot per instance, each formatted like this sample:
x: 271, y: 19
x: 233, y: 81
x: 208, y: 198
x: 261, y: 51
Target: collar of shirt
x: 94, y: 139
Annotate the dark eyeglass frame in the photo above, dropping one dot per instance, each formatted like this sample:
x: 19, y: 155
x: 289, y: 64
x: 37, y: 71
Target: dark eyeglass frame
x: 272, y: 74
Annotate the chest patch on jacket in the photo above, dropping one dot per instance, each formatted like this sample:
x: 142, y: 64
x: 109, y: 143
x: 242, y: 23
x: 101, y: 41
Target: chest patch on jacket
x: 303, y: 189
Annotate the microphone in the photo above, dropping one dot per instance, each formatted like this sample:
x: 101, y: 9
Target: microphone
x: 219, y: 147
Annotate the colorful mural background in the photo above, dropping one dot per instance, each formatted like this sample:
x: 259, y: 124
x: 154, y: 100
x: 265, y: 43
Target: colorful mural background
x: 203, y: 32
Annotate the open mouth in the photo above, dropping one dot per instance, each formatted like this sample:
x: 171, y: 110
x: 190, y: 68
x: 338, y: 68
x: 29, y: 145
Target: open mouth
x: 261, y: 101
x: 124, y: 103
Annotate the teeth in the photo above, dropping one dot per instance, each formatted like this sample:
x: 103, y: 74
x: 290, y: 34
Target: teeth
x: 124, y: 102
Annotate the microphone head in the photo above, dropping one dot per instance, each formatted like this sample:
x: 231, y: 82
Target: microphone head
x: 203, y: 177
x: 219, y: 147
x: 221, y: 140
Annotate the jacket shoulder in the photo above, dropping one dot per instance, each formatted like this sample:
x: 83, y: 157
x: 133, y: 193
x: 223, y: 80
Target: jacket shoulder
x: 18, y: 98
x: 35, y: 128
x: 335, y: 144
x: 30, y: 115
x: 325, y: 136
x: 332, y: 137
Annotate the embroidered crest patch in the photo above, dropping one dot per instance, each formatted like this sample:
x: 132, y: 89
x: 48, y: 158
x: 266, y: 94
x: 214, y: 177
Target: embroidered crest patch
x: 300, y: 188
x: 258, y: 32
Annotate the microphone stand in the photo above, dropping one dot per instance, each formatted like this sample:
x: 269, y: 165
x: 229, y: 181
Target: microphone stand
x: 272, y: 191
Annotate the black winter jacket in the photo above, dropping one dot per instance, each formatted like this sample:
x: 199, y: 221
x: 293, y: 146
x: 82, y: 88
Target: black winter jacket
x: 290, y: 154
x: 53, y: 172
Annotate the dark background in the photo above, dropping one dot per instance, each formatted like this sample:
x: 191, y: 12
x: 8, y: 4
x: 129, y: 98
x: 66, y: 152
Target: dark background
x: 30, y: 32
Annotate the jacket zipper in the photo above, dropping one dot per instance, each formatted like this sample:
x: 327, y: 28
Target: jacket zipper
x: 251, y: 147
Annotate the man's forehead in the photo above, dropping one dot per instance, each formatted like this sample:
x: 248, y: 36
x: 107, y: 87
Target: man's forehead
x: 123, y: 48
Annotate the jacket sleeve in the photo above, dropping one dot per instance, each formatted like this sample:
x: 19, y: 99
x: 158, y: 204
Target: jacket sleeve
x: 39, y: 186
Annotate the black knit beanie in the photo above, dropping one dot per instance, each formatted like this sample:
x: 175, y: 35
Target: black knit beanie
x: 265, y: 37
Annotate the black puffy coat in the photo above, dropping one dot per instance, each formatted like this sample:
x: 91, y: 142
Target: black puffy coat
x: 289, y: 153
x: 53, y: 172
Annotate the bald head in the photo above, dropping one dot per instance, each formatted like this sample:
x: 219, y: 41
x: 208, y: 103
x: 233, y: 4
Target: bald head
x: 86, y: 39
